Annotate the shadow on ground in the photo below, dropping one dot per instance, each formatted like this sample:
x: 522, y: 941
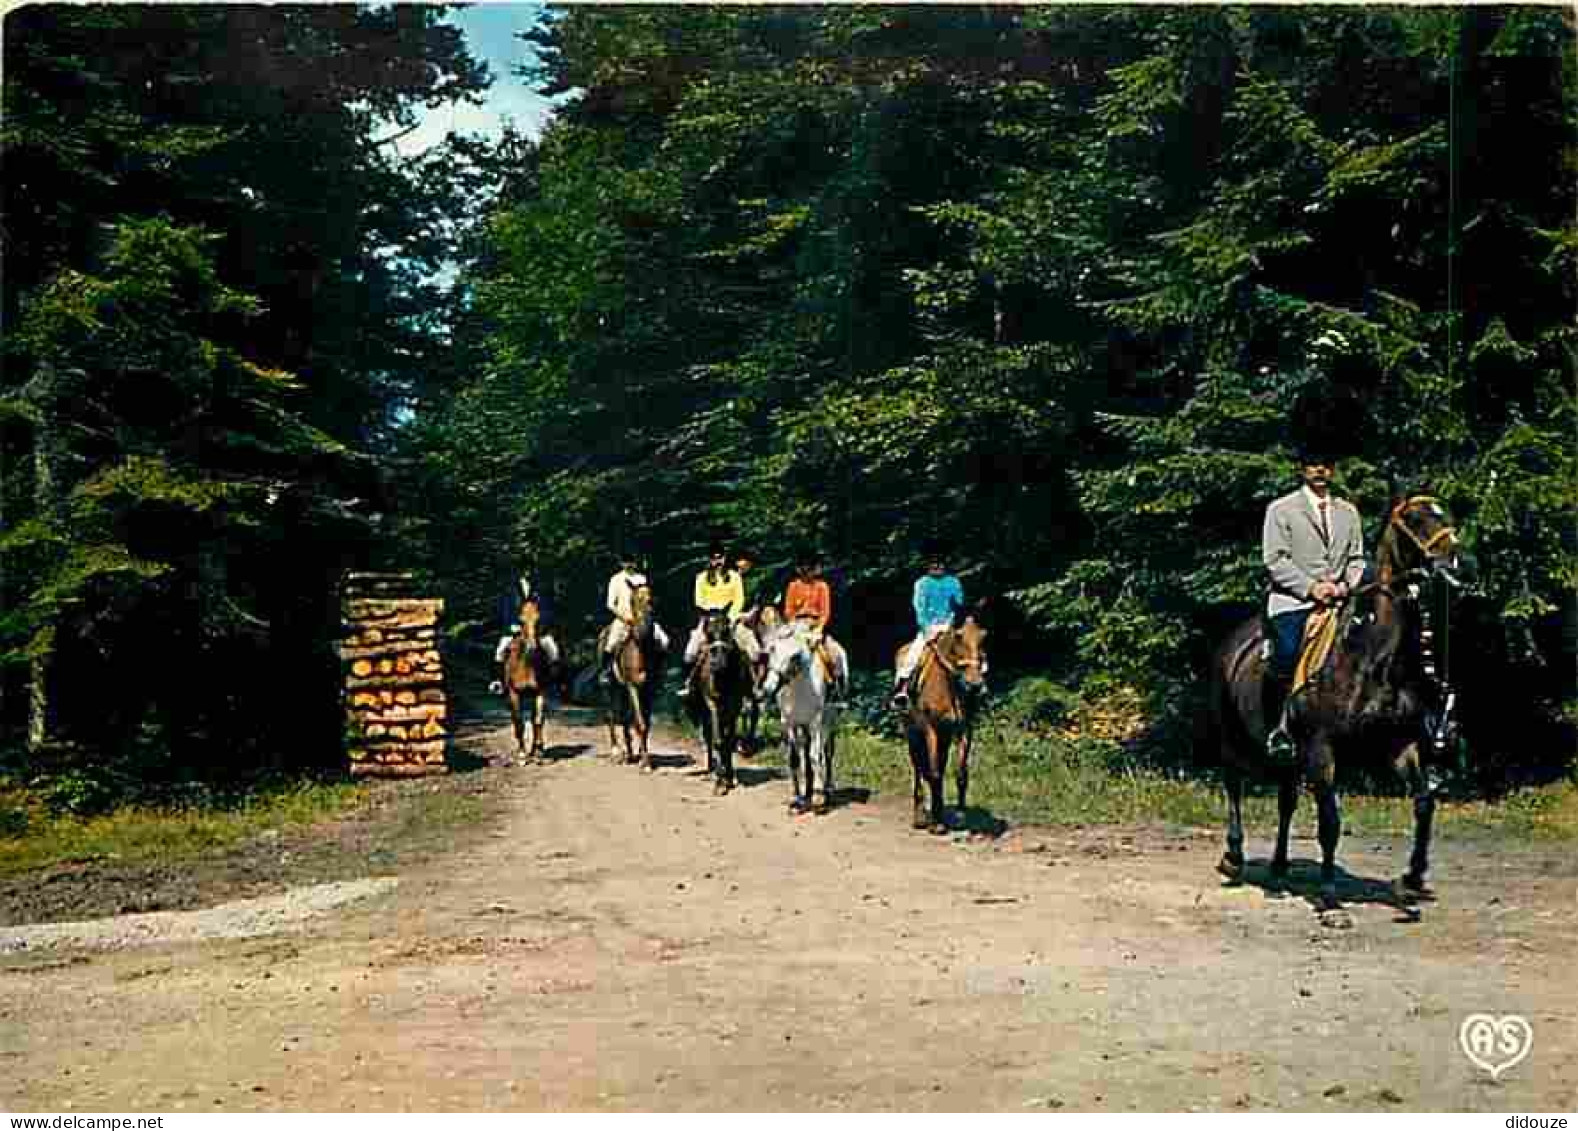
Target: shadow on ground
x: 1302, y: 881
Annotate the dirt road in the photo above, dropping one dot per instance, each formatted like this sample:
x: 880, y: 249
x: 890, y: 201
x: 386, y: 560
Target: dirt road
x: 628, y: 941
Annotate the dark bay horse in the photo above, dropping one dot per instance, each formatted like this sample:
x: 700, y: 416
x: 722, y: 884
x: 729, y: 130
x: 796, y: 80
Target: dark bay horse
x: 1371, y: 698
x: 724, y: 682
x: 636, y: 668
x: 526, y: 675
x: 950, y: 676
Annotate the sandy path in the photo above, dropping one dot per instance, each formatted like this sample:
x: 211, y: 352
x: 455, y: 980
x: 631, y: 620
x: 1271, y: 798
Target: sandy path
x: 628, y: 941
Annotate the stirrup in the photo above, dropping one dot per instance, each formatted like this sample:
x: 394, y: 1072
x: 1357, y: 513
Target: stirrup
x: 1280, y: 747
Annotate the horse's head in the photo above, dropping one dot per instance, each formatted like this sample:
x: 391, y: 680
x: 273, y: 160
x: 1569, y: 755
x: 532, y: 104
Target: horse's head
x: 530, y: 614
x: 1421, y: 540
x: 963, y: 649
x: 718, y: 634
x: 787, y: 657
x: 641, y: 612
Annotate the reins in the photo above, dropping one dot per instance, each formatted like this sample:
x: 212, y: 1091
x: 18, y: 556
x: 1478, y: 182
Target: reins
x: 1425, y: 547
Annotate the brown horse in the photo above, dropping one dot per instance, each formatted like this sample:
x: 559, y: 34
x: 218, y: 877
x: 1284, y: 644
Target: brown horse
x: 526, y: 674
x: 724, y: 681
x: 1376, y: 695
x: 636, y: 668
x: 950, y: 676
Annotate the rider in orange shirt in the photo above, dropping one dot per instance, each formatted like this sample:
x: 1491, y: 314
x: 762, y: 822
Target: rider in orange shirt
x: 808, y: 605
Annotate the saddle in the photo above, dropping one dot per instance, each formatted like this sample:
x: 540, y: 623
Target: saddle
x: 1321, y: 632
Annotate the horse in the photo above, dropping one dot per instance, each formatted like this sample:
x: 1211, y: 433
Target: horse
x: 723, y: 683
x: 1376, y: 692
x: 948, y: 682
x: 526, y: 672
x: 636, y: 667
x: 761, y: 622
x: 797, y: 679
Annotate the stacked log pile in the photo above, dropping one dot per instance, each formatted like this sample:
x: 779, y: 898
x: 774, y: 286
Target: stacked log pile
x: 397, y: 716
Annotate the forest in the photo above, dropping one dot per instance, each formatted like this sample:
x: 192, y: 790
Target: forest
x: 1049, y: 290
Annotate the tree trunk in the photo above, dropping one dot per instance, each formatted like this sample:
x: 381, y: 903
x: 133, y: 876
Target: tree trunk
x: 48, y: 469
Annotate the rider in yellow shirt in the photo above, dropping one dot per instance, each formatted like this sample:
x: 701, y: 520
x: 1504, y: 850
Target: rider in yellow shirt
x: 719, y: 587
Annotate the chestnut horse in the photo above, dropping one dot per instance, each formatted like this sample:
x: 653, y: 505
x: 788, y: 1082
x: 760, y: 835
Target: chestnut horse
x: 636, y: 668
x: 723, y: 682
x: 1376, y: 695
x: 950, y: 676
x: 526, y: 673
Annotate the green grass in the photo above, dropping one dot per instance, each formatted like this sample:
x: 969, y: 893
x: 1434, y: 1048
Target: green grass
x: 33, y: 837
x: 1044, y: 778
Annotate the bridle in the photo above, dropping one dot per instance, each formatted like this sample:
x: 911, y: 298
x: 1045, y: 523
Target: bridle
x: 955, y: 669
x: 1426, y: 547
x: 1433, y: 655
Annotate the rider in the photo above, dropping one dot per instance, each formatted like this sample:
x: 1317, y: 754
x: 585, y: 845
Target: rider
x: 621, y: 589
x: 937, y: 599
x: 1313, y: 548
x: 808, y: 605
x: 519, y: 592
x: 719, y: 588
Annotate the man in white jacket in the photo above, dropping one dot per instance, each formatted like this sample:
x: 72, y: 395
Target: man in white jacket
x: 621, y: 590
x: 1312, y: 545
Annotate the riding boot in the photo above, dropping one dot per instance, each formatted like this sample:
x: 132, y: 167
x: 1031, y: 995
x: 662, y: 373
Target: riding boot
x: 900, y: 699
x: 605, y: 669
x: 1280, y: 748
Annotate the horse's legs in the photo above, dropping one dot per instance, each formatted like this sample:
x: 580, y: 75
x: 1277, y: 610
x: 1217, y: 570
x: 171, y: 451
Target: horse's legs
x: 516, y: 721
x: 708, y: 720
x: 1413, y: 775
x: 1331, y: 817
x: 936, y: 766
x: 829, y: 745
x: 728, y: 725
x: 613, y: 711
x: 638, y: 711
x: 1287, y: 803
x: 962, y: 774
x: 539, y: 717
x: 1232, y: 863
x: 792, y: 751
x: 815, y: 771
x: 918, y: 765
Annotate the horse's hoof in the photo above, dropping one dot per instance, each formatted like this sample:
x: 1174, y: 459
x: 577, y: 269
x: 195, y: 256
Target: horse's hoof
x: 1328, y: 898
x: 819, y: 802
x: 719, y: 788
x: 1413, y: 889
x: 922, y: 820
x: 1231, y: 867
x: 938, y: 828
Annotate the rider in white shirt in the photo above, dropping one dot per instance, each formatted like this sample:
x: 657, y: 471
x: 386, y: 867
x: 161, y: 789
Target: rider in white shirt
x: 621, y: 590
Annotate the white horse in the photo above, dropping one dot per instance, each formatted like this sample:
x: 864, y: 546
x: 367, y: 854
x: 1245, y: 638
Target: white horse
x: 798, y: 680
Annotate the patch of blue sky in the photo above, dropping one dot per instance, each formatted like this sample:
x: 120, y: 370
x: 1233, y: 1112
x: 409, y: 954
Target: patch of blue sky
x: 493, y: 35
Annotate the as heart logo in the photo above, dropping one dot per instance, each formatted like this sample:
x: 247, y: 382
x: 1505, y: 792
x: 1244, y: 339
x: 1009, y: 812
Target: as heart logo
x: 1495, y: 1043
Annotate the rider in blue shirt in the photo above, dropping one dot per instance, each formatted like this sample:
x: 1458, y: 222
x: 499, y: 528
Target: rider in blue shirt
x: 937, y: 599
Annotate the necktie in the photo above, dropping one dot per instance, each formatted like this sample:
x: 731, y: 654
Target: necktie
x: 1325, y: 530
